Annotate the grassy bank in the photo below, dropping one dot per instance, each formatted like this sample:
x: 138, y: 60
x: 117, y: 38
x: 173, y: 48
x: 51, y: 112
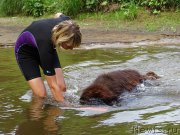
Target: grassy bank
x: 166, y: 21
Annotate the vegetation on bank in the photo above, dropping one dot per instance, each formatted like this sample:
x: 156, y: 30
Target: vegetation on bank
x: 167, y: 21
x: 72, y: 8
x: 137, y: 15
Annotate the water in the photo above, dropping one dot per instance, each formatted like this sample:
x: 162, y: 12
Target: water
x: 154, y: 109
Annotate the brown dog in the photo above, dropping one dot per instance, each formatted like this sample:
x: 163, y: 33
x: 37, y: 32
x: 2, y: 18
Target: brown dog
x: 108, y: 87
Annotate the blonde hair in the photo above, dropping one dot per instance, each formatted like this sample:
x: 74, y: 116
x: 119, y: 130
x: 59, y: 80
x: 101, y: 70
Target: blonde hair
x: 66, y: 32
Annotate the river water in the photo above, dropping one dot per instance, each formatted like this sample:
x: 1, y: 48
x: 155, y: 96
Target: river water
x: 154, y: 109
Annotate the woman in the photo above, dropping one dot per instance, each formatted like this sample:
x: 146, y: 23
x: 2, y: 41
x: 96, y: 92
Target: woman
x: 36, y: 46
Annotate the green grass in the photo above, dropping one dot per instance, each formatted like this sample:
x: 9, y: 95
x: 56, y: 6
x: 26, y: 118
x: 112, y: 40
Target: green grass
x: 166, y: 21
x: 10, y: 7
x: 144, y: 22
x: 20, y: 20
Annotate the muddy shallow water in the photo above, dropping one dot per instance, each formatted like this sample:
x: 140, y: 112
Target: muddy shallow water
x: 154, y: 109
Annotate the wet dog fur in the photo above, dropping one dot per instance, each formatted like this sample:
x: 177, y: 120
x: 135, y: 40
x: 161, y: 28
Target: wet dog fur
x: 108, y: 87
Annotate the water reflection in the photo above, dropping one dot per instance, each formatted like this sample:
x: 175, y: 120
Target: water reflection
x: 158, y: 104
x: 151, y: 115
x: 41, y: 119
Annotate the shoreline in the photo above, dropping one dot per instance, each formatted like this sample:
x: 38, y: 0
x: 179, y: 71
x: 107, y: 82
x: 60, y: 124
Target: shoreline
x: 91, y: 35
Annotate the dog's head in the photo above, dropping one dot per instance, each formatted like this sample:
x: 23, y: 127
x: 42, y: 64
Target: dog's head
x: 151, y: 76
x: 98, y: 94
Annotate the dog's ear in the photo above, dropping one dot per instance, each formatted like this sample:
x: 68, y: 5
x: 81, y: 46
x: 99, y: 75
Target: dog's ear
x: 87, y: 94
x: 93, y: 91
x: 97, y: 92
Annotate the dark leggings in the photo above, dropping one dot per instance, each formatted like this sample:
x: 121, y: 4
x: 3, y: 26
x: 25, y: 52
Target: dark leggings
x: 29, y: 61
